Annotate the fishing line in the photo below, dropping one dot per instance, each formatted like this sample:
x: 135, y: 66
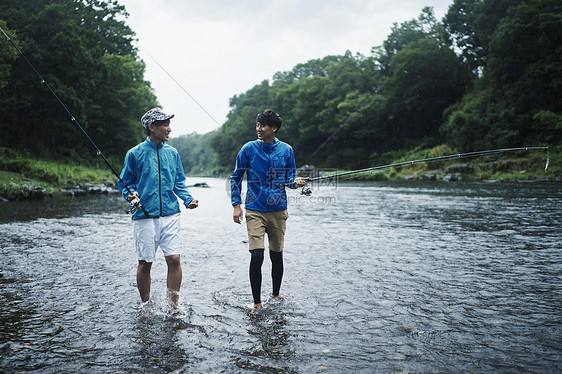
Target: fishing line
x: 73, y: 119
x: 209, y: 254
x: 184, y: 90
x: 307, y: 191
x: 325, y: 142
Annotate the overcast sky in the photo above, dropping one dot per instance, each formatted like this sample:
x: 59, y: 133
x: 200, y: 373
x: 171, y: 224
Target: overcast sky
x: 201, y: 53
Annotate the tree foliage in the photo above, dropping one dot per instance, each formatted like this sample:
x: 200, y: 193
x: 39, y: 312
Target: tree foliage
x: 85, y: 52
x: 516, y: 101
x: 7, y: 56
x: 197, y: 154
x: 344, y: 111
x: 488, y: 75
x: 469, y: 25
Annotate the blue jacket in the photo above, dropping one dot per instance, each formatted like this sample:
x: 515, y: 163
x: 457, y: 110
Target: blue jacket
x: 269, y: 167
x: 156, y: 173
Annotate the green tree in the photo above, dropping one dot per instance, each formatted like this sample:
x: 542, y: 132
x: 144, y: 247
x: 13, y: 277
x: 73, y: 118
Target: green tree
x: 427, y: 77
x: 425, y: 26
x: 364, y: 117
x: 71, y: 44
x: 516, y: 100
x: 239, y: 127
x: 8, y: 55
x: 488, y: 76
x: 469, y: 24
x: 198, y: 157
x: 121, y: 98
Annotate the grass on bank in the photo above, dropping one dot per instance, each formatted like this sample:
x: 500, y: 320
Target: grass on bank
x: 21, y: 175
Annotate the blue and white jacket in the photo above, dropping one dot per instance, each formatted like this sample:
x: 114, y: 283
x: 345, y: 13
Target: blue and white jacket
x: 269, y: 168
x: 157, y: 174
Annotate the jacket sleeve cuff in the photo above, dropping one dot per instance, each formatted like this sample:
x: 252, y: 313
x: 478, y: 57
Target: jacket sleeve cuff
x: 186, y: 202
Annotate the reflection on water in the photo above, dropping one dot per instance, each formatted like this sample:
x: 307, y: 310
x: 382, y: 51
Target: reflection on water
x: 379, y: 277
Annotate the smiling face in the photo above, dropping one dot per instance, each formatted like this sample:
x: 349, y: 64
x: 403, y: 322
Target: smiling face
x: 266, y: 133
x: 160, y: 132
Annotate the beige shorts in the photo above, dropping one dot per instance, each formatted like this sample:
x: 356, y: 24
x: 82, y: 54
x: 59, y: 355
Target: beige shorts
x: 270, y: 223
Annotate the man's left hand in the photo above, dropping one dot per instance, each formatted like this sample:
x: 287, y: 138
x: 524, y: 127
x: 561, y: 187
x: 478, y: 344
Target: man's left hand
x: 193, y: 204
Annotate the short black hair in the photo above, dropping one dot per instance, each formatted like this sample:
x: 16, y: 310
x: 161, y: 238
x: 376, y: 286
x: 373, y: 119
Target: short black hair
x: 269, y: 118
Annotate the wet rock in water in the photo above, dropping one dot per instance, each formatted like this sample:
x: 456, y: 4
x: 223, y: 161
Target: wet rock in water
x: 200, y: 185
x: 74, y: 192
x: 431, y: 176
x: 88, y: 188
x: 455, y: 177
x: 39, y: 193
x: 98, y: 189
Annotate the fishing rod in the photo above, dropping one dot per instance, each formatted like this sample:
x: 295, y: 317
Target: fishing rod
x: 136, y: 205
x: 307, y: 192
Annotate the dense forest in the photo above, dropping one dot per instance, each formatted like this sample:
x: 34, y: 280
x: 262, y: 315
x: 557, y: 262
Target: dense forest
x: 86, y: 52
x: 488, y: 75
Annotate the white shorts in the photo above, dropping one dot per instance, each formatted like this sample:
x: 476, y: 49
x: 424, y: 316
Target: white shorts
x: 149, y: 233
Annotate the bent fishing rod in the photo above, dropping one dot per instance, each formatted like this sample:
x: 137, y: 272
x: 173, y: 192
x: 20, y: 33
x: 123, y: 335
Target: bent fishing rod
x: 135, y: 206
x: 458, y: 155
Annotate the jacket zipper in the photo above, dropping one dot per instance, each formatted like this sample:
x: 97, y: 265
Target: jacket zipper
x: 159, y: 180
x: 268, y: 189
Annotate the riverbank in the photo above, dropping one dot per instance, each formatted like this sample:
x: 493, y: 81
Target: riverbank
x: 15, y: 187
x: 25, y: 178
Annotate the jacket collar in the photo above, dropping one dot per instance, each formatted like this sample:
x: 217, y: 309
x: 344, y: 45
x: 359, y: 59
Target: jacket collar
x: 152, y: 144
x: 269, y: 145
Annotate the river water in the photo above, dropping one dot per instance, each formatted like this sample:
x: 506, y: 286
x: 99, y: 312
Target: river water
x: 379, y: 278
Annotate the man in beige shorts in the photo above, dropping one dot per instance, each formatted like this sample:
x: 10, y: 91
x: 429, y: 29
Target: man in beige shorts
x: 270, y: 166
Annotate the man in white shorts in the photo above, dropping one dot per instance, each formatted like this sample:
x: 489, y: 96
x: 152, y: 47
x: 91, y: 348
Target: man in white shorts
x: 154, y: 175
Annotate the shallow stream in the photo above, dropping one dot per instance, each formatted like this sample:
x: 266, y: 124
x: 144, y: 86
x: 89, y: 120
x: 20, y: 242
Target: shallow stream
x: 379, y: 278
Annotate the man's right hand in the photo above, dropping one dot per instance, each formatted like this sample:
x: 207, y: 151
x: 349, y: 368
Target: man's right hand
x: 238, y: 214
x: 134, y: 199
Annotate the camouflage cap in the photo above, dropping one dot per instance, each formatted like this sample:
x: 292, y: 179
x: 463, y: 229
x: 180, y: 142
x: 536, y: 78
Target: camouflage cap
x: 154, y: 114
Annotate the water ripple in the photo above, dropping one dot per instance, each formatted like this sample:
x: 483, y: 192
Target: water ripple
x: 379, y: 277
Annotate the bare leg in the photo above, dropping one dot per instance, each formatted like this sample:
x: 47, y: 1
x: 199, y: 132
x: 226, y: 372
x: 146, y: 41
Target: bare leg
x: 174, y: 278
x: 143, y: 280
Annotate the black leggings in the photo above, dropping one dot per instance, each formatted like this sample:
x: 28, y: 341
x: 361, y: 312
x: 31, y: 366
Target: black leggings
x: 255, y: 272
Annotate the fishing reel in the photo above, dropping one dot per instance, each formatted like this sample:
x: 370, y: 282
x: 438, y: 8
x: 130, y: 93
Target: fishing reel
x: 306, y: 191
x: 134, y: 205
